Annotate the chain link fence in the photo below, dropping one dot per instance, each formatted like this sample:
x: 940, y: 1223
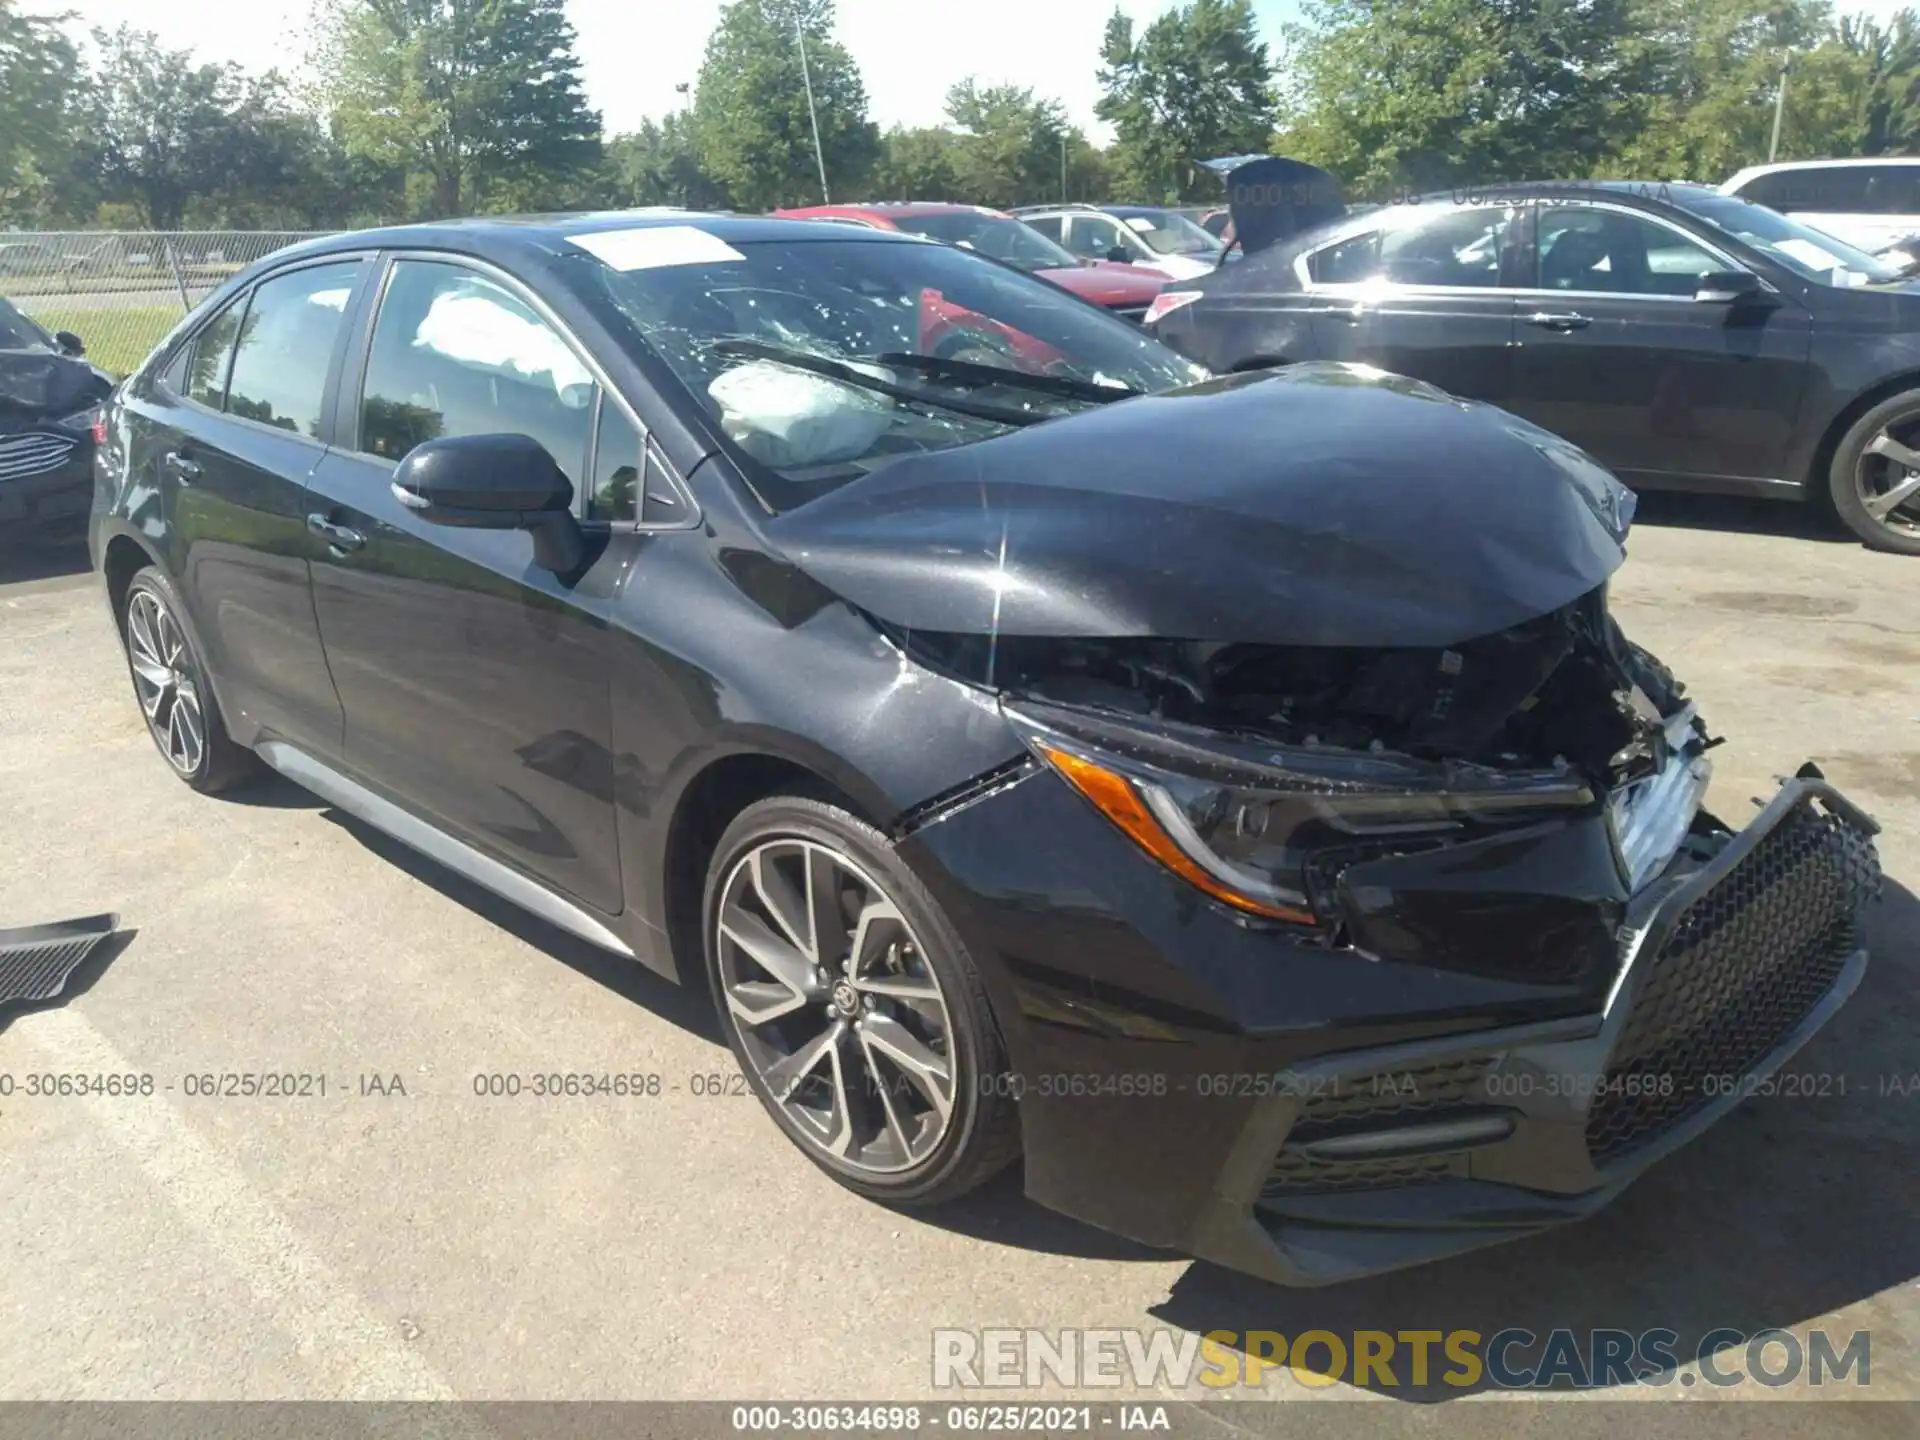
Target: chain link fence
x: 121, y: 291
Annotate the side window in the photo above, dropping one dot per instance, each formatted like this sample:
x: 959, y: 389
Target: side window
x: 1615, y: 253
x: 1828, y: 189
x: 201, y: 372
x: 286, y: 346
x: 619, y: 457
x: 1461, y: 248
x: 1093, y: 236
x: 1346, y: 262
x: 1047, y: 225
x: 1892, y: 190
x: 627, y: 484
x: 454, y: 353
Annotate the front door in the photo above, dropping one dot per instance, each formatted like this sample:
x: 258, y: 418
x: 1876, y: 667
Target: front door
x: 475, y: 683
x: 1616, y: 355
x: 1423, y: 298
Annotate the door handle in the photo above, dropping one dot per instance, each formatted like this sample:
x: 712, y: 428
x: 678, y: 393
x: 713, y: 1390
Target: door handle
x: 186, y: 470
x: 340, y: 539
x: 1353, y: 314
x: 1559, y: 320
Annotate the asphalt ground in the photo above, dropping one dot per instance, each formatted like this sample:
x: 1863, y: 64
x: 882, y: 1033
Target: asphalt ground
x: 438, y: 1244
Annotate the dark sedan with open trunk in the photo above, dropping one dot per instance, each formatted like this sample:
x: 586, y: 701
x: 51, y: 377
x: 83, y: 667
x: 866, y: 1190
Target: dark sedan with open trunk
x: 1686, y: 339
x: 1155, y: 774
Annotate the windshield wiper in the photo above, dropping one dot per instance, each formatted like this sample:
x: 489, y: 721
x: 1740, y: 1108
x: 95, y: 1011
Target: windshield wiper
x: 1064, y: 386
x: 860, y: 380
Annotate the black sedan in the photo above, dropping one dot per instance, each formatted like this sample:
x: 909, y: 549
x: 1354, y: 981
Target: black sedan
x: 49, y: 407
x: 1683, y: 338
x: 1066, y: 753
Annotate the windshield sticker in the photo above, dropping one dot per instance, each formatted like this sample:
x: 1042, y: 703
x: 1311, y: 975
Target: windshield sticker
x: 1139, y: 223
x: 655, y: 246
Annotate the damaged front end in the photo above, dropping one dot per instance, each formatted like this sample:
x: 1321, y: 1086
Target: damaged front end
x: 1319, y: 786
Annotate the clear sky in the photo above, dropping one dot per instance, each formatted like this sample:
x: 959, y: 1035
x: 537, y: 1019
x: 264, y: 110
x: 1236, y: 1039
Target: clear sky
x: 634, y: 52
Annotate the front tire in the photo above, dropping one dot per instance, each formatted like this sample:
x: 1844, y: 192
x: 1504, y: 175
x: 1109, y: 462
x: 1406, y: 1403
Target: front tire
x: 852, y: 1007
x: 1875, y: 477
x: 171, y: 686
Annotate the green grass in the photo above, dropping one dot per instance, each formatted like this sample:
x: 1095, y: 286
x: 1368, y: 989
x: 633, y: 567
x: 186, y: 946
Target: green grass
x: 117, y: 339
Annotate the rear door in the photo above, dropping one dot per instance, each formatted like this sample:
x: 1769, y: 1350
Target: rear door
x: 1425, y: 296
x: 474, y: 682
x: 1616, y: 355
x: 229, y: 435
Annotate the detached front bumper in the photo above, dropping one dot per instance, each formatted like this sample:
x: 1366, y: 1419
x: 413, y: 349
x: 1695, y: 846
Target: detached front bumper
x: 1327, y: 1133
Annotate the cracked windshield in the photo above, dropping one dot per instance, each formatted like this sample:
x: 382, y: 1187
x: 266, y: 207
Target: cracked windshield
x: 824, y: 360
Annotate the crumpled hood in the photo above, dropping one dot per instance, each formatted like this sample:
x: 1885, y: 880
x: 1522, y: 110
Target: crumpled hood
x: 39, y: 384
x: 1323, y: 504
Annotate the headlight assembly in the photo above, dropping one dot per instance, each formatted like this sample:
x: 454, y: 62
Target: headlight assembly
x: 1263, y: 828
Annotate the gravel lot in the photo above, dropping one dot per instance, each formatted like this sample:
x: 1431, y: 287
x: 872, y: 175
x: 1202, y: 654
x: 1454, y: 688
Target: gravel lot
x: 437, y: 1244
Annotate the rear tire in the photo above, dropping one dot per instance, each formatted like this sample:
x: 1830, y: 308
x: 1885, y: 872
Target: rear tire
x: 1874, y: 463
x: 876, y: 1067
x: 171, y: 687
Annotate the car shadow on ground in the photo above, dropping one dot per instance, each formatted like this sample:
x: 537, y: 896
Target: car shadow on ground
x: 1794, y: 1206
x: 687, y: 1006
x: 24, y: 559
x: 1733, y: 514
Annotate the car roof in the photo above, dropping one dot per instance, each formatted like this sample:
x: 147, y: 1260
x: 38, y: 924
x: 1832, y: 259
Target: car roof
x: 503, y: 237
x: 1754, y: 172
x: 885, y: 208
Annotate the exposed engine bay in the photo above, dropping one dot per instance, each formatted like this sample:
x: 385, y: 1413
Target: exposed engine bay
x: 1564, y: 687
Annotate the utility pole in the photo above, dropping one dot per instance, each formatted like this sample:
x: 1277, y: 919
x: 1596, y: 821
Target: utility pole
x: 813, y: 118
x: 1779, y: 105
x: 1063, y: 167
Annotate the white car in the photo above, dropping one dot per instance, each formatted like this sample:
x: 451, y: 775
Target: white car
x: 1872, y: 204
x: 1150, y: 236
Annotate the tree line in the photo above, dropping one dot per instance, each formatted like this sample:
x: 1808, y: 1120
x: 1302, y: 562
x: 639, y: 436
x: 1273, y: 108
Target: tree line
x: 429, y: 108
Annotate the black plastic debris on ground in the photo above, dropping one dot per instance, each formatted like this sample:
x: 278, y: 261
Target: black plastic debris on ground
x: 36, y: 961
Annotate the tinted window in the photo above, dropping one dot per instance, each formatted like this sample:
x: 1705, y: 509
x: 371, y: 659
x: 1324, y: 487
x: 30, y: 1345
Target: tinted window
x: 286, y: 345
x: 1892, y: 190
x: 1350, y: 261
x: 619, y: 456
x: 17, y: 332
x: 1606, y: 250
x: 456, y: 354
x: 1048, y: 225
x: 1838, y: 189
x: 202, y: 370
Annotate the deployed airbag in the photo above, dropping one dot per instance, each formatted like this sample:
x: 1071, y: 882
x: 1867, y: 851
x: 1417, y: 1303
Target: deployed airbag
x: 791, y: 418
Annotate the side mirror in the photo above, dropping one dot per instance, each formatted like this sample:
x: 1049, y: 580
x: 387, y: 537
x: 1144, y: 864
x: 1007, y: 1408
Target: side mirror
x: 495, y: 482
x: 1727, y: 287
x: 1120, y: 255
x: 69, y: 343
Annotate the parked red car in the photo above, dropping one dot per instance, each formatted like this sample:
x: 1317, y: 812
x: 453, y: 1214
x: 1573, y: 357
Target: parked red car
x: 1125, y: 290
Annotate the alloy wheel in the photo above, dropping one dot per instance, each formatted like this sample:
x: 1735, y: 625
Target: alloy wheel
x: 164, y: 681
x: 1888, y: 476
x: 838, y: 1011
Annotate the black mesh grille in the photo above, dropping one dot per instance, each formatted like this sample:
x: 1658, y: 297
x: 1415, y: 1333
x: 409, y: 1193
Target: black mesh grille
x: 1297, y: 1174
x: 1742, y: 967
x: 1377, y: 1102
